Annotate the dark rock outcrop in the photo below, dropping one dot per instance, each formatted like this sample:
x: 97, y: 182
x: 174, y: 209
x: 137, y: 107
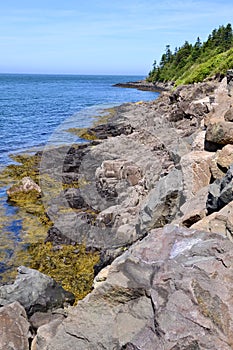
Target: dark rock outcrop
x: 220, y: 133
x: 35, y: 292
x: 220, y: 192
x: 144, y: 85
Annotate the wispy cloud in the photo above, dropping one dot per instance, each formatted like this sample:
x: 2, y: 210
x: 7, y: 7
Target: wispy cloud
x: 136, y: 29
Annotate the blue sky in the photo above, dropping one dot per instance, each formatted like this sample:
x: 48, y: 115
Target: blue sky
x: 102, y: 36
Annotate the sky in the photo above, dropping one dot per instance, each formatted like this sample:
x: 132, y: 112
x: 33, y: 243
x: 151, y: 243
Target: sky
x: 121, y: 37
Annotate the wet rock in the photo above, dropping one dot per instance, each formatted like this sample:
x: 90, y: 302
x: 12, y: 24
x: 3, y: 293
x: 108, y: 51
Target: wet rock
x: 104, y: 131
x: 14, y: 328
x: 26, y: 185
x: 171, y: 290
x: 35, y: 292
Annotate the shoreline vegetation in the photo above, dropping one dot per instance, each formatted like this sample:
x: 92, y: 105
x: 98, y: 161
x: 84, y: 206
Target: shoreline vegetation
x: 138, y: 217
x: 192, y: 63
x: 143, y: 193
x: 77, y: 273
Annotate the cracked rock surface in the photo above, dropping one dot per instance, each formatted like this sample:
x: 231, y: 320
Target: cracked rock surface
x: 166, y: 292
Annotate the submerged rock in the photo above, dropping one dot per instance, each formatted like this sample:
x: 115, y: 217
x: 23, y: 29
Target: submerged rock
x: 25, y: 186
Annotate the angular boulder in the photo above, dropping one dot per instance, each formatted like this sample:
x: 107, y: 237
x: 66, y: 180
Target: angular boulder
x: 228, y: 116
x: 195, y: 168
x: 218, y: 134
x: 172, y: 290
x: 224, y: 157
x: 163, y: 202
x: 35, y: 292
x: 220, y: 192
x: 218, y: 222
x: 14, y: 328
x: 25, y: 185
x: 194, y: 209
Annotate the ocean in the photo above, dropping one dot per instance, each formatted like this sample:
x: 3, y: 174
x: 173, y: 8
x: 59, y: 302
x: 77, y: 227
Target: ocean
x: 33, y: 106
x: 36, y: 110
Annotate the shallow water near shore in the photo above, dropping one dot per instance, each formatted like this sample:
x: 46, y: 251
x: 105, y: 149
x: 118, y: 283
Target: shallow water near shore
x: 33, y: 108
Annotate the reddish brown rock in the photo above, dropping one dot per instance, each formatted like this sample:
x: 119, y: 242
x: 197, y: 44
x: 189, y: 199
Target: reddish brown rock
x: 172, y: 290
x: 219, y: 222
x: 220, y: 133
x: 14, y: 328
x: 224, y: 158
x: 195, y: 167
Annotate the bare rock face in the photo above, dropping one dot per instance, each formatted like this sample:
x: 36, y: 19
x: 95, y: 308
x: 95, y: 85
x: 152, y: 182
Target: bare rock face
x: 219, y: 134
x: 14, y: 328
x: 194, y: 209
x: 35, y: 292
x: 195, y: 167
x: 224, y: 158
x: 172, y: 290
x: 219, y: 222
x: 220, y: 192
x: 228, y: 116
x: 163, y: 202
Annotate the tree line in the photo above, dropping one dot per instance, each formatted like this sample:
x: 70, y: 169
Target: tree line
x: 173, y: 65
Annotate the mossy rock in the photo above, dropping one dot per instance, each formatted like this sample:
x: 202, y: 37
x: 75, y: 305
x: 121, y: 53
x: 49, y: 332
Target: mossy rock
x: 84, y: 133
x: 70, y: 265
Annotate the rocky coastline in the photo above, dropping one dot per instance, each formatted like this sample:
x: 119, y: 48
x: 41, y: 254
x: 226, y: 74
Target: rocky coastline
x: 145, y: 85
x: 151, y: 192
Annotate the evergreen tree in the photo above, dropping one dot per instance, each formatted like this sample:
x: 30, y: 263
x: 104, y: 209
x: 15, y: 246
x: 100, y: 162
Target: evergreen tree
x: 173, y: 66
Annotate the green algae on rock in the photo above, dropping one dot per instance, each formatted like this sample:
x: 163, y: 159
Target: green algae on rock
x: 69, y: 265
x: 84, y: 133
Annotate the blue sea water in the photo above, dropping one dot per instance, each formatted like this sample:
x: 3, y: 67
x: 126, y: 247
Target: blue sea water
x: 33, y: 106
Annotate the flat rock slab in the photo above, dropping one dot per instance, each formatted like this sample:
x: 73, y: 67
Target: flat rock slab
x: 172, y: 290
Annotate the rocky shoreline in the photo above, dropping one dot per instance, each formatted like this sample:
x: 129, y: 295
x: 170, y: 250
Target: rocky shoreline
x: 145, y: 85
x: 152, y: 193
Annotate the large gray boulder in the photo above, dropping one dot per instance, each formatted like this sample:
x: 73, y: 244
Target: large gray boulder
x: 35, y: 292
x: 163, y: 202
x: 172, y: 290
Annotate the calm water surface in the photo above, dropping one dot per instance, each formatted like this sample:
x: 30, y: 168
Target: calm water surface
x: 32, y: 107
